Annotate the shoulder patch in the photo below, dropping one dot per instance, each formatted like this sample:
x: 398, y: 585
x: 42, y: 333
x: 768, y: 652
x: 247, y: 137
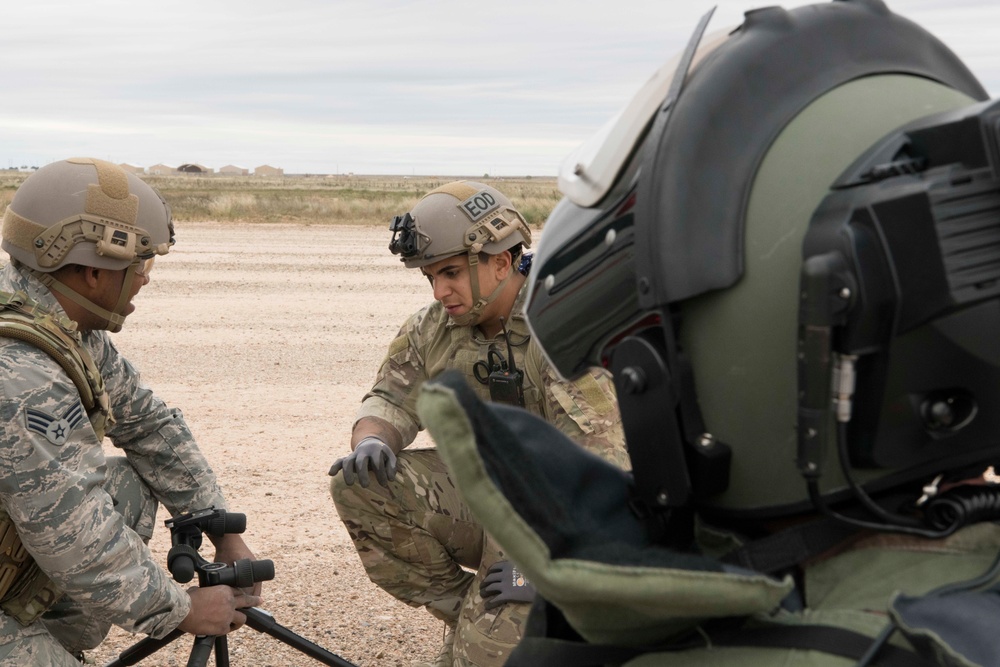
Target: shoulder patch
x: 594, y: 394
x: 55, y: 429
x: 397, y: 345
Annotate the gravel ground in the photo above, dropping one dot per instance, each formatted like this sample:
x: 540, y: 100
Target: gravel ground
x: 266, y: 337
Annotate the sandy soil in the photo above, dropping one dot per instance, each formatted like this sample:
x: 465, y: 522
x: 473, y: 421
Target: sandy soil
x: 266, y: 337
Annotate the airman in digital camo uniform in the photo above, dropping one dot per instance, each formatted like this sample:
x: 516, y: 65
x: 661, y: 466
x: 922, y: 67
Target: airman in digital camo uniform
x: 412, y: 531
x: 82, y: 235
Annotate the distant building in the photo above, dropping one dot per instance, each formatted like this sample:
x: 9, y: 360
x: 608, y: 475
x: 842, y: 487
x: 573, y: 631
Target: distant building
x: 268, y: 170
x: 132, y: 169
x: 192, y: 168
x: 233, y: 170
x: 161, y: 170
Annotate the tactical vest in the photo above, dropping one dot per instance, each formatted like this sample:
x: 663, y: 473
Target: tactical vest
x: 25, y: 591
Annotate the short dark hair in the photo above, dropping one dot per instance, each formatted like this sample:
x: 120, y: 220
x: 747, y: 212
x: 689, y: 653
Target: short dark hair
x: 515, y: 252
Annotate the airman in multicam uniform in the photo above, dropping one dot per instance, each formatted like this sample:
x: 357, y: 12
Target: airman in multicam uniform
x: 414, y: 534
x: 82, y: 235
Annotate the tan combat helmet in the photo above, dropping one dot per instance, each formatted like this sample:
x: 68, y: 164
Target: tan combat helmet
x: 91, y: 213
x: 460, y: 218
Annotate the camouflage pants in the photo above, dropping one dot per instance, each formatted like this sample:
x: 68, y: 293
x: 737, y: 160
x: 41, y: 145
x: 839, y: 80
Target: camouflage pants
x: 417, y: 540
x: 66, y: 627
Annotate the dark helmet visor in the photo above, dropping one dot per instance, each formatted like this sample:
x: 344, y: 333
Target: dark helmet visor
x: 583, y: 289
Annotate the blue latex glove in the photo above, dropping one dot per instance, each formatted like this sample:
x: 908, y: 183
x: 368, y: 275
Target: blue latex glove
x: 370, y: 452
x: 504, y: 583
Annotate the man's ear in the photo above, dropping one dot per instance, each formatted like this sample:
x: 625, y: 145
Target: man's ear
x: 78, y: 276
x: 503, y: 264
x: 90, y: 275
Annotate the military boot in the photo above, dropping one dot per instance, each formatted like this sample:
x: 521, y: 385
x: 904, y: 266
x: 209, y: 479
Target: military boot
x: 444, y: 658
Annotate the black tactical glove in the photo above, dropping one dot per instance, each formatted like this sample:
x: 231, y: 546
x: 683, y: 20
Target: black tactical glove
x: 370, y: 452
x: 504, y: 583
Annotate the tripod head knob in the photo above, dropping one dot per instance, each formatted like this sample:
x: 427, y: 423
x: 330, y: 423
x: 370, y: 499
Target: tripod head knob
x: 186, y: 534
x: 213, y: 521
x: 181, y: 561
x: 241, y: 574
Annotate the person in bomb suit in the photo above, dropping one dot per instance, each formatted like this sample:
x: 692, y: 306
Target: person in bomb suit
x: 82, y: 235
x: 413, y: 533
x: 797, y: 229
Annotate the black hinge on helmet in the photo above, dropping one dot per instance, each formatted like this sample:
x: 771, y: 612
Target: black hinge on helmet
x: 404, y: 237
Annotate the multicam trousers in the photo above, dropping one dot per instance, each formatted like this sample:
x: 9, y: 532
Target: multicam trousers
x: 418, y: 541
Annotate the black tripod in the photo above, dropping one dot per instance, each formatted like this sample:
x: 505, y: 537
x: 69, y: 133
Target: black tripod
x: 183, y: 561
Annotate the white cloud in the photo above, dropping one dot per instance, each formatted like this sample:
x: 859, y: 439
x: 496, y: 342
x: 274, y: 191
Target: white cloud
x: 321, y: 85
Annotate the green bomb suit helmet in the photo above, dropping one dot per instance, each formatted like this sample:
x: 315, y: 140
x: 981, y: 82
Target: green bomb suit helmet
x: 460, y: 218
x: 797, y: 297
x: 87, y: 212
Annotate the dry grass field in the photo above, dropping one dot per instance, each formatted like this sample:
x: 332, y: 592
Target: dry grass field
x: 355, y: 200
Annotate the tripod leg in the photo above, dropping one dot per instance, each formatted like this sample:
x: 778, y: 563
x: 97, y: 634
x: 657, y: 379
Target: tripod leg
x: 261, y: 621
x: 200, y: 652
x: 142, y: 649
x: 221, y: 651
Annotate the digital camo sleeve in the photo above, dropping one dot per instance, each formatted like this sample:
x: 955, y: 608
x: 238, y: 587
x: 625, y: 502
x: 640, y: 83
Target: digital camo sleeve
x: 51, y: 474
x: 155, y: 437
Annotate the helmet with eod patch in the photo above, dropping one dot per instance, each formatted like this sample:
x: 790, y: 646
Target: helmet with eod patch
x: 457, y: 218
x: 460, y: 218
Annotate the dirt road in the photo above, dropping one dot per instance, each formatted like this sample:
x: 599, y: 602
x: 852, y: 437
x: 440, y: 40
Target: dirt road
x: 266, y: 337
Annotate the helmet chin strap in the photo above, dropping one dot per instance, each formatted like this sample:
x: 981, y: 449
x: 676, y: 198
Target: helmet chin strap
x: 478, y: 302
x: 114, y: 320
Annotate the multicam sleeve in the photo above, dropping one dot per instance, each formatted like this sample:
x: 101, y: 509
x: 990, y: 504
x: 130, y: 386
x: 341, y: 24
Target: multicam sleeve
x: 51, y: 478
x: 155, y: 438
x: 586, y: 410
x: 393, y: 397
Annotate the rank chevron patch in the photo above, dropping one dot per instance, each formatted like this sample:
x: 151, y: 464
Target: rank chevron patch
x: 55, y: 429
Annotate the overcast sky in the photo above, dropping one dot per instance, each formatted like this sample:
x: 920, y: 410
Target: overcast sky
x: 448, y: 87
